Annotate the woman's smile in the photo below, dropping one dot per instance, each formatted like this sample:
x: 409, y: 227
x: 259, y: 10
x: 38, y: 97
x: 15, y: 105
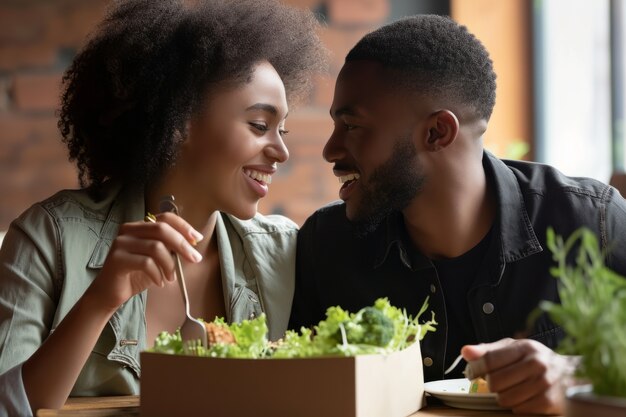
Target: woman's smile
x: 259, y: 180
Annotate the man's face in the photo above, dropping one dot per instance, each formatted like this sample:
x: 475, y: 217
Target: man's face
x: 372, y: 145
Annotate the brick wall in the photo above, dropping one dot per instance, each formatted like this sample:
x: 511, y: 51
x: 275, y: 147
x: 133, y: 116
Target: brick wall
x: 37, y: 42
x: 38, y: 39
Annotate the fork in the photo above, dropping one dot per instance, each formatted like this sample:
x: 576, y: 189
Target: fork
x: 192, y: 331
x: 468, y: 369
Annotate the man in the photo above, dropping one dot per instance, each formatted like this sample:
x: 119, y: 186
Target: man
x: 427, y: 212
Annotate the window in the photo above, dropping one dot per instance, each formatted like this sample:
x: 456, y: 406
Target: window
x: 572, y: 81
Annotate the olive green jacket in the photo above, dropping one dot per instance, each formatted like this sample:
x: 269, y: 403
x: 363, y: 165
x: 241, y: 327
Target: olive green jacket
x: 55, y: 249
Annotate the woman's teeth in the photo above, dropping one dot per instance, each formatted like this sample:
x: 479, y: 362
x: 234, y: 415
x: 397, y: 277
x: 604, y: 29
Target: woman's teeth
x: 259, y: 176
x: 345, y: 178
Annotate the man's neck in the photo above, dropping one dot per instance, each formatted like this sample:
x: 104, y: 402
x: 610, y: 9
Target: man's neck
x: 452, y: 216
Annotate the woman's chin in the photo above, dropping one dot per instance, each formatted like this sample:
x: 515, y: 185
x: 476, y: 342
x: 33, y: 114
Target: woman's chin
x: 244, y: 213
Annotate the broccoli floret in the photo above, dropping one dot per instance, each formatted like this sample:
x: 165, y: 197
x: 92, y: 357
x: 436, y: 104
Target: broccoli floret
x: 377, y: 328
x: 369, y: 327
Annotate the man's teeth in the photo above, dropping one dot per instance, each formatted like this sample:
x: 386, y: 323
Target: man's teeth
x: 345, y: 178
x: 259, y: 176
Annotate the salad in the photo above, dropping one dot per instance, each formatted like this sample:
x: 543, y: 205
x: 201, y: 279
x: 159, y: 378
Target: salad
x: 377, y: 329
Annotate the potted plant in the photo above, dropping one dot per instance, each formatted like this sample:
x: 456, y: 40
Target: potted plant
x: 592, y: 313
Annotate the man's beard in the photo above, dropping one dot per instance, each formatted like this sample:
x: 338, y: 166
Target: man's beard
x: 390, y: 188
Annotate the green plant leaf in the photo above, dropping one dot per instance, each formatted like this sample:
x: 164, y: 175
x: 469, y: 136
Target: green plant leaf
x: 592, y: 311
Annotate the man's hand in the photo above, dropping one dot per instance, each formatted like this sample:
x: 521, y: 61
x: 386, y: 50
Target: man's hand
x: 527, y: 376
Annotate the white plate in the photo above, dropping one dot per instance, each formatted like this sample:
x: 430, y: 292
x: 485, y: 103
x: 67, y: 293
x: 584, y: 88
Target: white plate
x: 455, y: 393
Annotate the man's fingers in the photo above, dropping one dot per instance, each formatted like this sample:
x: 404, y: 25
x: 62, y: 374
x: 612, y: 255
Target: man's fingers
x: 475, y: 356
x: 473, y: 352
x: 514, y: 352
x: 526, y: 369
x: 523, y: 373
x: 543, y: 402
x: 521, y: 391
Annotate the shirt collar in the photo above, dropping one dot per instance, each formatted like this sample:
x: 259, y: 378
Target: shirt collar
x: 394, y: 238
x: 517, y: 236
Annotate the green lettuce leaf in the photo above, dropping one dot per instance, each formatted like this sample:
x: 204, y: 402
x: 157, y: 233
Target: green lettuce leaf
x: 378, y: 329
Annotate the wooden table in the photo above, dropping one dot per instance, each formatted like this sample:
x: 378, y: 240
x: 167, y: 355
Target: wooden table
x: 96, y: 407
x: 129, y: 406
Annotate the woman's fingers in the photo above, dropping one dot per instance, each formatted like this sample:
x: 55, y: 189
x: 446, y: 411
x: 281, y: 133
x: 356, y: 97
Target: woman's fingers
x: 144, y: 266
x: 141, y: 255
x: 171, y: 230
x: 154, y: 251
x: 184, y: 228
x: 124, y: 274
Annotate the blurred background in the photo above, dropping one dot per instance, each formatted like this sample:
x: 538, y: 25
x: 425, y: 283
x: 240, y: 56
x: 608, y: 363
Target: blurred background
x: 560, y: 65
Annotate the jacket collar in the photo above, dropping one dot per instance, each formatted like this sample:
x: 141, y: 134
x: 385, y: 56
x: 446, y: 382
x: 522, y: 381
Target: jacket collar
x: 394, y: 238
x: 514, y: 230
x: 517, y: 236
x: 120, y: 204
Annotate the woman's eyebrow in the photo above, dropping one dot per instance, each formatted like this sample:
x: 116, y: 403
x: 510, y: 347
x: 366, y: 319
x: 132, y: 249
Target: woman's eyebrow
x: 264, y: 107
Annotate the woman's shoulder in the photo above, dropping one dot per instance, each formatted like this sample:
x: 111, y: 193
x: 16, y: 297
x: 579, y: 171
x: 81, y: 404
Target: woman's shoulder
x: 270, y: 224
x: 71, y: 205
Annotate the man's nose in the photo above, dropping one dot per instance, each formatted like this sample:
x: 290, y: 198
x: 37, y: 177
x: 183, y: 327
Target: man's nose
x: 334, y: 149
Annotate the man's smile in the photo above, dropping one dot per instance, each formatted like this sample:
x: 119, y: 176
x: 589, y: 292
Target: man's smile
x: 349, y: 177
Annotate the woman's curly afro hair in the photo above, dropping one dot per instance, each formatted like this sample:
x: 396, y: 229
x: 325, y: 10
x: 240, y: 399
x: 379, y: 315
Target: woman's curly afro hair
x: 129, y: 93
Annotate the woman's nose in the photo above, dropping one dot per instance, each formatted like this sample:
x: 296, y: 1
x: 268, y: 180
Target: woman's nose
x: 277, y: 150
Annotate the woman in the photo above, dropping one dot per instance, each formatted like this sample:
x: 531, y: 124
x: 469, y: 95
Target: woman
x: 168, y: 98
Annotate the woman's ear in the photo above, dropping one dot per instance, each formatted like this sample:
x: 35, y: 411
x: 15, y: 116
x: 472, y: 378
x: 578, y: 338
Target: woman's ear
x: 183, y: 137
x: 442, y: 131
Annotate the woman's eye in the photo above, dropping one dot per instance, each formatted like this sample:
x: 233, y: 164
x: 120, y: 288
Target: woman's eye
x: 350, y: 127
x: 259, y: 126
x: 283, y: 132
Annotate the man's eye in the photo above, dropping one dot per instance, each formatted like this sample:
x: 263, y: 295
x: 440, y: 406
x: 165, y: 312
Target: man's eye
x: 259, y: 126
x: 350, y: 127
x: 283, y: 132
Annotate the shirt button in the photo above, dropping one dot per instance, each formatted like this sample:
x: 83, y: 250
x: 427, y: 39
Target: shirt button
x: 433, y: 288
x: 488, y: 308
x: 428, y: 361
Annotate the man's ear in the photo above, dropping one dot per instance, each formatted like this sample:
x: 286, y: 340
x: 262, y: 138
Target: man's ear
x: 443, y: 128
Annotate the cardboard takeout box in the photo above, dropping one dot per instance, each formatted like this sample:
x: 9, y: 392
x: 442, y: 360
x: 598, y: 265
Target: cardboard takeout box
x: 361, y: 386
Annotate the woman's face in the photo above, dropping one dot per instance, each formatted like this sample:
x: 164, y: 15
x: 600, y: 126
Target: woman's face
x: 235, y: 143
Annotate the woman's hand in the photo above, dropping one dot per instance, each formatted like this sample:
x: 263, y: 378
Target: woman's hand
x: 527, y: 376
x: 141, y: 256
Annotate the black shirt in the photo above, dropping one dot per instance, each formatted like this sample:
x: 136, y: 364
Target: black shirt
x: 456, y: 277
x: 335, y: 267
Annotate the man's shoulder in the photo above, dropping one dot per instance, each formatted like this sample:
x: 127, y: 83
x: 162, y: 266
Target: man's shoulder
x: 331, y: 215
x: 545, y: 180
x: 328, y: 228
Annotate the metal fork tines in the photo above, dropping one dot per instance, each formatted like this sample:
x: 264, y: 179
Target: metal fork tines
x: 470, y: 371
x: 192, y: 330
x: 455, y: 364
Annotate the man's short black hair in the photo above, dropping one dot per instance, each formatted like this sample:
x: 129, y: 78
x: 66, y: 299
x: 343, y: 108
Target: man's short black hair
x: 130, y: 91
x: 434, y: 55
